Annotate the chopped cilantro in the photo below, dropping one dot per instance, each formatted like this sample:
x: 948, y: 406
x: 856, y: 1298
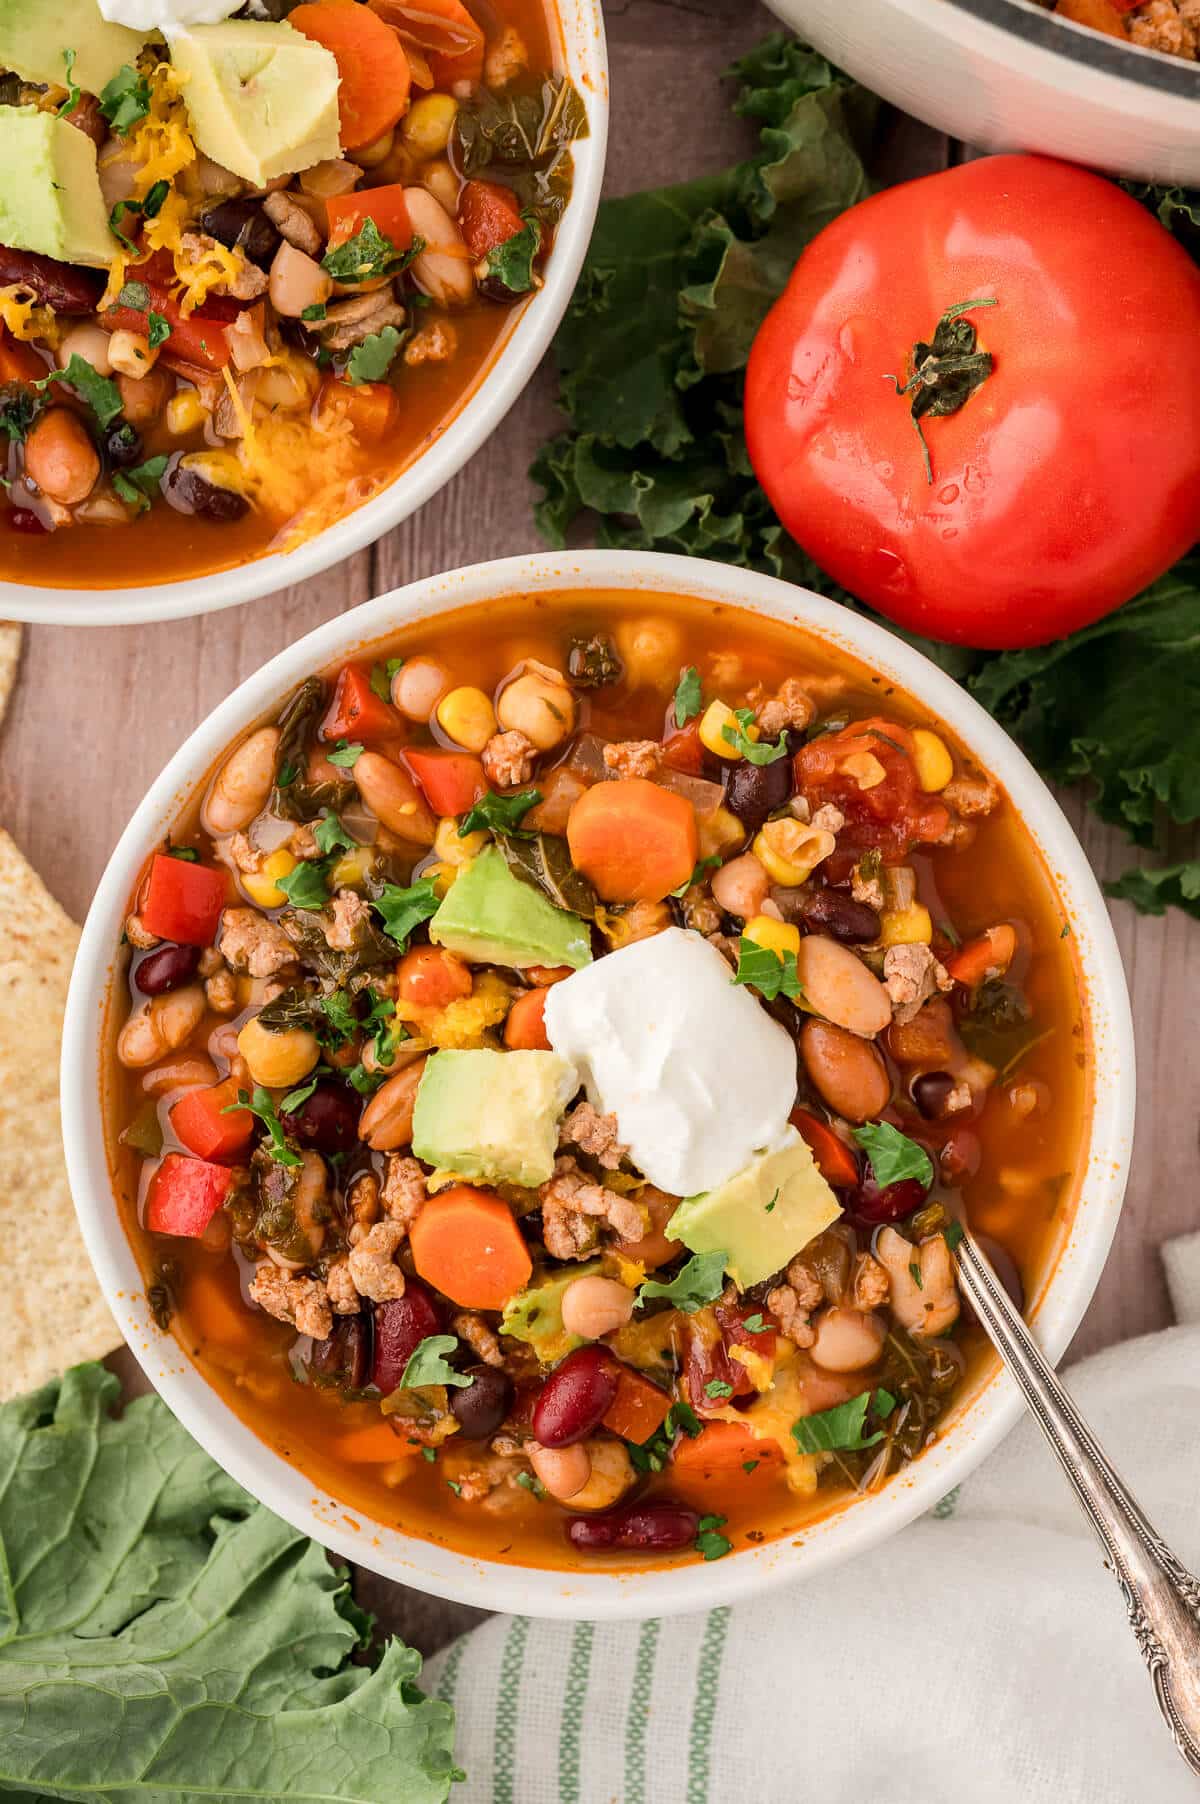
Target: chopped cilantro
x: 371, y: 360
x: 454, y: 1486
x: 697, y: 876
x: 770, y: 974
x: 500, y: 814
x: 511, y: 263
x: 306, y: 887
x: 700, y: 1281
x: 840, y: 1429
x: 687, y: 696
x: 296, y: 1099
x: 717, y: 1388
x: 709, y: 1541
x: 755, y: 1324
x: 429, y: 1453
x: 125, y: 99
x: 368, y: 255
x: 405, y: 909
x: 18, y: 410
x: 379, y: 684
x: 530, y: 1483
x: 331, y: 836
x: 755, y: 751
x: 260, y: 1105
x: 427, y: 1364
x: 364, y: 1081
x: 102, y: 395
x: 893, y: 1155
x: 749, y: 1465
x: 138, y: 486
x: 316, y: 311
x: 72, y: 86
x: 339, y: 1011
x: 769, y: 1206
x: 158, y: 329
x: 345, y: 755
x: 953, y: 1234
x: 188, y: 854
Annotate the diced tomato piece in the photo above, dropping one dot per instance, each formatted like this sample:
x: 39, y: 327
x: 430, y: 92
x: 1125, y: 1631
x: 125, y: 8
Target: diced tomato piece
x: 386, y: 206
x: 198, y: 1119
x: 453, y: 781
x: 372, y: 408
x: 199, y: 339
x: 183, y: 900
x: 185, y: 1194
x: 682, y: 749
x: 356, y: 712
x: 733, y: 1318
x: 833, y: 1158
x: 639, y: 1408
x: 709, y: 1363
x: 488, y: 215
x: 892, y: 812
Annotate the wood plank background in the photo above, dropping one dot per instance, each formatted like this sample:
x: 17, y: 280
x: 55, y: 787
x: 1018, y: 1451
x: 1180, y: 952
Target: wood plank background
x: 96, y: 714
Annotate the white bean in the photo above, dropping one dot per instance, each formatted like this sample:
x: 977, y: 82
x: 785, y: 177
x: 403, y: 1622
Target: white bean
x: 297, y: 281
x: 563, y: 1470
x: 740, y: 887
x: 840, y: 987
x: 243, y: 783
x: 443, y: 268
x: 418, y: 686
x: 847, y: 1340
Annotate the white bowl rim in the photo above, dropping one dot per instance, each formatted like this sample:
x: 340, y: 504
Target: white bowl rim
x: 511, y: 366
x: 1093, y: 53
x: 530, y: 1590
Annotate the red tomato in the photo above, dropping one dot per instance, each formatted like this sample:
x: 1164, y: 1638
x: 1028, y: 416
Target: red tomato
x: 183, y: 900
x: 356, y: 712
x: 1068, y: 480
x: 893, y: 813
x: 453, y: 781
x: 202, y: 1123
x: 184, y: 1195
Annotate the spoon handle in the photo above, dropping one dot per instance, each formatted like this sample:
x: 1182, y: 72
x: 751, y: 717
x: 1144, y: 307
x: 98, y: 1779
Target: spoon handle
x: 1162, y: 1597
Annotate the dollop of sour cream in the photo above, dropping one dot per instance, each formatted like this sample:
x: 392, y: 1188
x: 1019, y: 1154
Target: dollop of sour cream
x: 696, y: 1072
x: 161, y: 15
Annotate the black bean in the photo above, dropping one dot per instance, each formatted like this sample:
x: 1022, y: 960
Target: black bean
x: 753, y: 791
x: 833, y: 912
x: 165, y: 969
x: 931, y: 1092
x: 190, y: 493
x: 481, y: 1406
x: 123, y: 445
x: 343, y: 1358
x: 244, y: 225
x: 327, y: 1120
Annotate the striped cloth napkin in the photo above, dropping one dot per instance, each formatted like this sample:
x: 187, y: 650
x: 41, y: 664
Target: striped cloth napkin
x: 980, y: 1657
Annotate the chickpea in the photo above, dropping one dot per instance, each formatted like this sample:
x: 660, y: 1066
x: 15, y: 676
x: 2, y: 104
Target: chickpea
x: 652, y: 652
x: 386, y: 1122
x: 443, y: 269
x: 163, y: 1026
x: 243, y: 783
x: 144, y: 397
x: 740, y: 887
x: 418, y: 686
x: 611, y: 1476
x: 840, y: 987
x: 595, y: 1306
x: 60, y: 457
x: 297, y: 281
x: 848, y: 1340
x: 565, y: 1471
x: 391, y: 794
x: 89, y: 342
x: 538, y: 703
x: 277, y: 1060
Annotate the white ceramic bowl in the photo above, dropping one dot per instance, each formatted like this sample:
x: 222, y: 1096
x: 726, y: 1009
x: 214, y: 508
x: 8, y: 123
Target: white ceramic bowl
x: 976, y: 1427
x: 1006, y: 75
x: 583, y: 56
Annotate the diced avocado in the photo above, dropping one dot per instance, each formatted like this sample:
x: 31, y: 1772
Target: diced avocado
x: 763, y: 1215
x: 36, y: 34
x: 489, y: 917
x: 262, y: 98
x: 50, y: 198
x: 535, y: 1315
x: 493, y: 1115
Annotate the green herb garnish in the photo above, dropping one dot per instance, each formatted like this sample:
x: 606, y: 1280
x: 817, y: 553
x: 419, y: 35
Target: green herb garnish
x: 405, y: 909
x: 500, y: 814
x: 770, y: 973
x: 511, y: 263
x: 371, y: 360
x: 427, y: 1364
x: 893, y: 1155
x: 331, y: 836
x: 687, y: 696
x: 138, y: 486
x: 125, y: 99
x: 368, y: 255
x: 754, y: 751
x: 102, y: 395
x: 345, y: 755
x: 700, y: 1281
x: 307, y: 886
x: 72, y: 86
x: 840, y: 1429
x: 709, y: 1541
x: 697, y: 876
x: 261, y: 1105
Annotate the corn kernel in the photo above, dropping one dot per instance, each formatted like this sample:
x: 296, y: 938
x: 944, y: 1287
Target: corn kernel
x: 931, y: 760
x: 441, y: 876
x: 453, y: 849
x: 428, y: 124
x: 716, y: 717
x: 276, y: 1060
x: 467, y: 715
x: 789, y: 851
x: 718, y: 832
x: 262, y: 885
x: 352, y: 868
x: 185, y: 412
x: 774, y: 936
x: 909, y: 926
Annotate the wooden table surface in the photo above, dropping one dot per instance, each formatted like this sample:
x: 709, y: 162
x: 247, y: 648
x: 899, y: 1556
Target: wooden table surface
x: 97, y: 713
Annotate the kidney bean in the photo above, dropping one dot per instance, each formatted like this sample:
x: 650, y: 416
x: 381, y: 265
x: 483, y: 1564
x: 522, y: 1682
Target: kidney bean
x: 328, y: 1119
x: 344, y: 1358
x: 658, y: 1527
x: 870, y: 1203
x: 576, y: 1396
x: 833, y: 912
x: 23, y: 519
x: 190, y: 493
x: 58, y: 285
x: 165, y: 969
x: 482, y: 1405
x: 400, y: 1327
x: 242, y: 224
x: 753, y: 791
x: 960, y: 1156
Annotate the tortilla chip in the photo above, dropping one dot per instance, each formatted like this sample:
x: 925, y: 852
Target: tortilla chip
x: 10, y: 657
x: 53, y: 1314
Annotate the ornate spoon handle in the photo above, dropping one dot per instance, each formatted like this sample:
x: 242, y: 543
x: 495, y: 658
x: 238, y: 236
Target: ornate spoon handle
x: 1162, y: 1598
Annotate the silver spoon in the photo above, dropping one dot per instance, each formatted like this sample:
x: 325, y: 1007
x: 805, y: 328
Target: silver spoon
x: 1162, y: 1597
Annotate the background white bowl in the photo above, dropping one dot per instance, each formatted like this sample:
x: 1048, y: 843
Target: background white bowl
x: 1006, y: 75
x: 583, y: 56
x: 976, y: 1427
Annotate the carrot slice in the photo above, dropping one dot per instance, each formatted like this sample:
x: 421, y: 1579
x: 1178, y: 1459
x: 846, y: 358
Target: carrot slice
x: 634, y: 840
x: 376, y: 1445
x: 466, y: 1243
x: 525, y: 1028
x: 375, y: 77
x: 639, y: 1408
x: 723, y: 1447
x: 988, y: 955
x: 443, y: 30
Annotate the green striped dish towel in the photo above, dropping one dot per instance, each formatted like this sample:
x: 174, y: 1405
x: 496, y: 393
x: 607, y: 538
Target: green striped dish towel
x: 981, y: 1657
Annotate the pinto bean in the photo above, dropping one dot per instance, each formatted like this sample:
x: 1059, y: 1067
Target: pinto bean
x: 243, y: 783
x: 740, y: 887
x: 564, y: 1471
x: 61, y: 459
x: 841, y: 988
x: 443, y: 269
x: 847, y: 1072
x: 58, y: 285
x: 163, y: 1026
x: 611, y: 1475
x: 387, y: 1119
x: 391, y: 794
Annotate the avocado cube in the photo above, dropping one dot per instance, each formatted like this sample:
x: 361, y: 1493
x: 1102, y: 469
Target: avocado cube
x: 261, y: 97
x: 490, y: 917
x: 51, y: 202
x: 763, y: 1215
x: 493, y: 1116
x: 35, y: 36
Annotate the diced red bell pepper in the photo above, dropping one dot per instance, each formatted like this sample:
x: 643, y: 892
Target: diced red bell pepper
x: 453, y: 781
x: 639, y: 1408
x: 356, y: 712
x: 199, y: 339
x: 198, y: 1119
x: 683, y: 751
x: 183, y: 900
x: 386, y: 206
x: 833, y: 1158
x: 488, y: 216
x: 185, y: 1194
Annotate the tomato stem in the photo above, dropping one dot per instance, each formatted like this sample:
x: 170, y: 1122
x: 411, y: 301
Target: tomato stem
x: 945, y: 372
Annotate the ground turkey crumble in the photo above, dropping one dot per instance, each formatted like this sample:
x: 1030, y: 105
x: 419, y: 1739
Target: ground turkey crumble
x: 251, y: 943
x: 508, y: 759
x: 793, y: 1303
x: 911, y: 975
x: 594, y: 1134
x: 573, y: 1206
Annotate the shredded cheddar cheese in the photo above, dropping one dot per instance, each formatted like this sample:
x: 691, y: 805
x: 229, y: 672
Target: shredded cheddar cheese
x: 25, y: 319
